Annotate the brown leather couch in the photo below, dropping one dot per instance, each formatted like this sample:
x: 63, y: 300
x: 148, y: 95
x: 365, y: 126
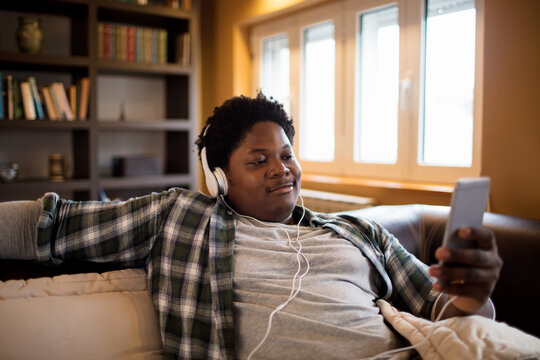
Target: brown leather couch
x: 420, y: 229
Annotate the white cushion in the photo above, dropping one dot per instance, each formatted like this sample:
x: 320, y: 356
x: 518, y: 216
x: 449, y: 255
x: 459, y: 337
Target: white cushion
x: 82, y: 316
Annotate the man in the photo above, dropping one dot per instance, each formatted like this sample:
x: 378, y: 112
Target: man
x: 250, y: 274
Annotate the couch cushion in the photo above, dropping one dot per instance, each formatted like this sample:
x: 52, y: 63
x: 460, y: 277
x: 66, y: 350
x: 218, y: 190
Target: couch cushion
x: 98, y: 316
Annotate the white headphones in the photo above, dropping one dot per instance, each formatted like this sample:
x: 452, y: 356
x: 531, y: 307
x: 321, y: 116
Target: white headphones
x: 216, y: 181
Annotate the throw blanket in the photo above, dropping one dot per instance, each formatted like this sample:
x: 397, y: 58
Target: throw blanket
x: 469, y: 337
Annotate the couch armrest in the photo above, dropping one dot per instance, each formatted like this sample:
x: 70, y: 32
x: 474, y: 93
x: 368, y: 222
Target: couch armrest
x: 420, y: 229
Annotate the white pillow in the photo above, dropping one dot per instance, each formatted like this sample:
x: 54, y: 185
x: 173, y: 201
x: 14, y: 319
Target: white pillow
x: 468, y: 337
x: 82, y: 316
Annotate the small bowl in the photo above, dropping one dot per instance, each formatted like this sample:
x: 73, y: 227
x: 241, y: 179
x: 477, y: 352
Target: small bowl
x: 8, y: 171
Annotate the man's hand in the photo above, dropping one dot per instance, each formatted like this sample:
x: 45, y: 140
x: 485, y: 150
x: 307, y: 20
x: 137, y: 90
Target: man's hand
x: 470, y: 274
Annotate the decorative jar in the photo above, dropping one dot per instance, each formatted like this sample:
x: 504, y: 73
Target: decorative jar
x: 29, y: 35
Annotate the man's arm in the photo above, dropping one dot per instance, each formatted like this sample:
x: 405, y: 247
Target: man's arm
x: 122, y: 232
x: 18, y: 229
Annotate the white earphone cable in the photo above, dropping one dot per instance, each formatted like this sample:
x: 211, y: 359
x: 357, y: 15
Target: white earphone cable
x: 297, y: 276
x: 295, y: 290
x: 431, y: 330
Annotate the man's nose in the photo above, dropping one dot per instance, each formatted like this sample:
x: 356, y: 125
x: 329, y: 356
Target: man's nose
x: 279, y: 169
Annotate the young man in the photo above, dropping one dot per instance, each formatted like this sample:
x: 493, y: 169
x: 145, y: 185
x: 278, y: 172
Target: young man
x: 221, y: 268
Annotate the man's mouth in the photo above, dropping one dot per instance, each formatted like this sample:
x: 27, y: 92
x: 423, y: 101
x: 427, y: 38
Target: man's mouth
x: 282, y: 188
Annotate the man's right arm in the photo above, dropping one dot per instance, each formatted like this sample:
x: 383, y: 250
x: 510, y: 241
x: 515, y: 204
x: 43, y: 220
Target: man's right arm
x: 18, y: 229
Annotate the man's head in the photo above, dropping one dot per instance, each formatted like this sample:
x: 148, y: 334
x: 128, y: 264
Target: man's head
x: 251, y: 140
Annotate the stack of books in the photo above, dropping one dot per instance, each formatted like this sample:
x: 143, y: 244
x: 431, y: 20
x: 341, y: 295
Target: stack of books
x: 173, y: 4
x: 132, y: 43
x: 25, y: 99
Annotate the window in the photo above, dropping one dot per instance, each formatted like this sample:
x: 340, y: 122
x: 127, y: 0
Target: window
x: 381, y: 89
x: 275, y: 68
x: 317, y: 136
x: 377, y: 81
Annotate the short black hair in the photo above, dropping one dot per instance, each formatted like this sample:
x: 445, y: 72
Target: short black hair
x: 228, y: 126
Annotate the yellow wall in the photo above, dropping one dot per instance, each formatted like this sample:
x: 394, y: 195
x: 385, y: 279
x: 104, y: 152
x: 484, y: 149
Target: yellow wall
x: 511, y: 116
x: 511, y: 125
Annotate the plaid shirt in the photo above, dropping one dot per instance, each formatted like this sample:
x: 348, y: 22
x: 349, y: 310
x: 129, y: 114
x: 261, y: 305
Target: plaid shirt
x: 185, y: 240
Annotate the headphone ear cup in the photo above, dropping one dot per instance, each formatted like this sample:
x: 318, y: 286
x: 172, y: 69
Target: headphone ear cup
x: 221, y: 178
x: 210, y: 178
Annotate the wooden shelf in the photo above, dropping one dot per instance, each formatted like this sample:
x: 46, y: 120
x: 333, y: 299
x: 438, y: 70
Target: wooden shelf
x: 119, y: 67
x: 20, y: 124
x: 144, y: 181
x: 22, y: 61
x: 90, y: 145
x: 146, y: 125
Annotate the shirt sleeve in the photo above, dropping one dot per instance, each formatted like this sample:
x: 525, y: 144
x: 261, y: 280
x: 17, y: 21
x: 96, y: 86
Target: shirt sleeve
x: 121, y: 232
x: 18, y: 223
x: 412, y: 286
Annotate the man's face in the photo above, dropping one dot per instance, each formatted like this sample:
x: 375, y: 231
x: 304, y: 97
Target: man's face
x: 263, y: 174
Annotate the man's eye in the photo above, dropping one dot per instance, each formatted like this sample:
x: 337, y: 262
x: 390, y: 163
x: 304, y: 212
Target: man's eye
x: 288, y: 157
x: 257, y: 162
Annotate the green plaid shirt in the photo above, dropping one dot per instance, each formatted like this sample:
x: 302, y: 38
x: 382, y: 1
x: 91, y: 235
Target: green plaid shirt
x: 185, y: 241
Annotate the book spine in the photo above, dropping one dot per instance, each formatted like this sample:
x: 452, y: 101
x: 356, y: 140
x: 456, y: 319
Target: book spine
x: 61, y: 97
x: 9, y: 91
x: 147, y: 45
x: 56, y: 103
x: 112, y: 41
x: 51, y: 109
x: 84, y: 97
x: 162, y: 47
x: 72, y: 99
x: 106, y: 41
x: 131, y: 43
x: 28, y: 101
x: 186, y: 53
x: 139, y: 44
x: 2, y: 95
x: 18, y: 112
x: 35, y: 97
x: 155, y: 46
x: 44, y: 106
x: 100, y: 45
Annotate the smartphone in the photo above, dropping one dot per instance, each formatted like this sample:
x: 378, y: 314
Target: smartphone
x: 468, y: 204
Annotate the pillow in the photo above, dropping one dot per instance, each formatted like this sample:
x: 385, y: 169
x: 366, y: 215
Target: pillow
x: 101, y: 316
x: 467, y: 337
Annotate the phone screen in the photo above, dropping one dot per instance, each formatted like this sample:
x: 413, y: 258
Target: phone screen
x: 469, y: 202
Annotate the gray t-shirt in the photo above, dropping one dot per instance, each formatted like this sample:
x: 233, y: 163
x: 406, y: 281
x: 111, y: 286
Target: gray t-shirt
x: 334, y: 315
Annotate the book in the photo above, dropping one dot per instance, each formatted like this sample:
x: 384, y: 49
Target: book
x: 59, y: 93
x: 17, y: 101
x: 147, y: 43
x: 35, y: 97
x: 51, y: 109
x: 2, y: 94
x: 162, y: 46
x: 106, y: 41
x: 28, y: 101
x: 183, y: 49
x: 154, y: 58
x: 100, y: 45
x: 84, y: 97
x: 139, y: 44
x: 72, y: 98
x: 44, y: 106
x: 9, y: 96
x: 131, y: 43
x: 112, y: 41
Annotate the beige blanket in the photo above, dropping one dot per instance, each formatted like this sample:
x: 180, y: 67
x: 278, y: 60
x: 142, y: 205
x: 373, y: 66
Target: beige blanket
x: 471, y: 337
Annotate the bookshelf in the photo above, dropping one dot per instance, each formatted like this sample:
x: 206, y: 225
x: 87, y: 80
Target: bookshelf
x: 137, y: 107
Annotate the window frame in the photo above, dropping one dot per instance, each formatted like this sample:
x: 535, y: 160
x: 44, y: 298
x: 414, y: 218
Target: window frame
x: 345, y: 14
